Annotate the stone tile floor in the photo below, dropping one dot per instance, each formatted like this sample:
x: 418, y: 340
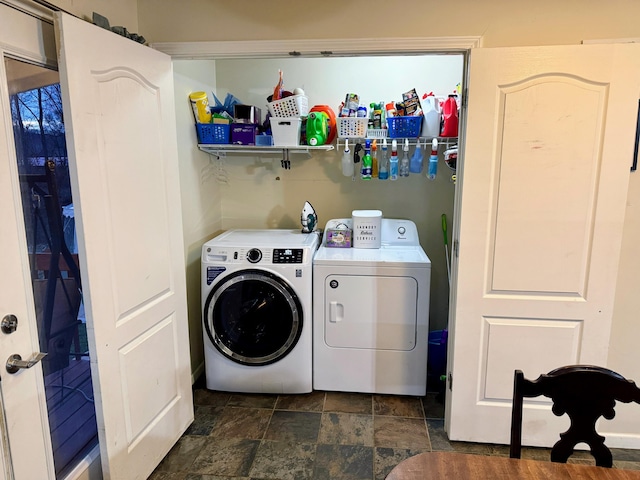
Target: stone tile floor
x: 318, y: 436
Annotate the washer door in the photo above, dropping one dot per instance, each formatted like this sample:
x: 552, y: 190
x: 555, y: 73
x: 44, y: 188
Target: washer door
x: 253, y: 317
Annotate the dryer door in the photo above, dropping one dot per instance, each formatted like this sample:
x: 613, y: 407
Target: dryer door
x: 253, y: 317
x: 371, y: 312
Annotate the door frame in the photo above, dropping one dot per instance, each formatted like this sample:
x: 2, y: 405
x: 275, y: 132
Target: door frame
x: 327, y: 48
x: 316, y: 47
x: 40, y: 49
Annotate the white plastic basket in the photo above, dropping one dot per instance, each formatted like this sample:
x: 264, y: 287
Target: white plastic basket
x: 285, y: 131
x: 367, y: 225
x: 294, y: 106
x: 377, y: 133
x: 352, y: 127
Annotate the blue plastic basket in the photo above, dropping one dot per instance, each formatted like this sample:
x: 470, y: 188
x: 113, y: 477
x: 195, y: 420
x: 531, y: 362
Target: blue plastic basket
x: 213, y: 132
x: 404, y: 127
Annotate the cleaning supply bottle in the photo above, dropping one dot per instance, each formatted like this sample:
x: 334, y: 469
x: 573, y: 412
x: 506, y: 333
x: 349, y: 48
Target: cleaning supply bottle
x: 383, y: 168
x: 415, y: 165
x: 376, y: 116
x: 365, y: 173
x: 390, y: 110
x: 433, y: 160
x: 347, y: 162
x: 317, y: 128
x: 450, y: 117
x: 431, y: 123
x: 374, y: 159
x: 404, y: 163
x: 393, y: 162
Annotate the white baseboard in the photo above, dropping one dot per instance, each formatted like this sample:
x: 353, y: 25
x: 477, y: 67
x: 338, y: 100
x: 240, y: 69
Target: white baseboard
x: 621, y: 440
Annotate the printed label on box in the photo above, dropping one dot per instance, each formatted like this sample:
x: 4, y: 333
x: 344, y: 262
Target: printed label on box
x: 338, y: 238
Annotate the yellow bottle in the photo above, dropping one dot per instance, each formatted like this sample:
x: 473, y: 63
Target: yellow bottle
x: 200, y: 106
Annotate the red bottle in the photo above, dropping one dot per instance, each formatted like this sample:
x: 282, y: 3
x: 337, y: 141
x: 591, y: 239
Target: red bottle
x: 450, y: 117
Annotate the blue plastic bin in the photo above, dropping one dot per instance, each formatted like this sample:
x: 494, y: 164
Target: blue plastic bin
x: 213, y: 132
x: 404, y: 127
x: 437, y: 353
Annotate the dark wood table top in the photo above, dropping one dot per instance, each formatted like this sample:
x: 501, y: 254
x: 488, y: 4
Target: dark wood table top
x: 460, y: 466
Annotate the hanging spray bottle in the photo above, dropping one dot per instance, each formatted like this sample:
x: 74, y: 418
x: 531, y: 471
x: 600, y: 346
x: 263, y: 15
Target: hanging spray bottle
x: 415, y: 165
x: 347, y: 162
x: 433, y: 160
x: 393, y: 163
x: 383, y: 167
x: 365, y: 173
x: 404, y: 163
x: 374, y: 159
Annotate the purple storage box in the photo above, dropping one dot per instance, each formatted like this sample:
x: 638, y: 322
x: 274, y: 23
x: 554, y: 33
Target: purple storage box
x: 243, y: 133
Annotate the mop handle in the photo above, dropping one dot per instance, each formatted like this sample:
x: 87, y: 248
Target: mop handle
x: 444, y: 229
x: 446, y: 249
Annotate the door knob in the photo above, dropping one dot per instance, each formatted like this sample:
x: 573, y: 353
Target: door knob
x: 15, y: 362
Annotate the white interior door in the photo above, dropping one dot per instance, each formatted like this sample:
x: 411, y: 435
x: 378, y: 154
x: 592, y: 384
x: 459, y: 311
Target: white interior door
x: 549, y: 144
x: 120, y: 121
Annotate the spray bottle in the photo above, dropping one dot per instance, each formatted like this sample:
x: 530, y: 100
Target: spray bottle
x: 393, y: 163
x: 433, y: 160
x: 347, y: 162
x: 404, y: 163
x: 415, y: 165
x: 383, y: 169
x: 365, y: 173
x: 374, y: 159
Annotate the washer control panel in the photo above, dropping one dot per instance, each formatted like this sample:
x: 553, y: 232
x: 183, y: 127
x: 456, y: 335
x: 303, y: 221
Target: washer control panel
x: 256, y: 256
x: 288, y: 255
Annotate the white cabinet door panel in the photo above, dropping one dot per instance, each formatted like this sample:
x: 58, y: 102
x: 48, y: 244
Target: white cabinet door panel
x: 122, y: 145
x: 547, y: 151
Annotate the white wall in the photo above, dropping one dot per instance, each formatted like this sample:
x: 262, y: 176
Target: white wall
x: 201, y: 195
x: 119, y: 12
x: 499, y: 22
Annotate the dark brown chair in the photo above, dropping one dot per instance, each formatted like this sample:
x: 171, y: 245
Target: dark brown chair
x: 585, y: 393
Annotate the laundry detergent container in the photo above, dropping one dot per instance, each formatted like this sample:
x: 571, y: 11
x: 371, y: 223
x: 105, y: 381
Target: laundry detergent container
x: 366, y: 228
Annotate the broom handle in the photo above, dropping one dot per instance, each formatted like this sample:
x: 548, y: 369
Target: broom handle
x: 446, y: 248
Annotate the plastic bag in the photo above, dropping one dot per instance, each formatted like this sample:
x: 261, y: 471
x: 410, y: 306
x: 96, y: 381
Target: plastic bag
x: 229, y: 102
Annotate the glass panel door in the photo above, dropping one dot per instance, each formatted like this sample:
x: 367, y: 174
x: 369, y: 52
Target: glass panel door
x: 38, y: 127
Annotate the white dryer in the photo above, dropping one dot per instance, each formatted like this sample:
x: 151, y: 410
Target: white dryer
x: 257, y: 310
x: 371, y: 314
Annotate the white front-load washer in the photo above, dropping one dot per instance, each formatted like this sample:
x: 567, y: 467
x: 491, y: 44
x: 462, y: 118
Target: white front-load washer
x: 371, y: 313
x: 257, y: 311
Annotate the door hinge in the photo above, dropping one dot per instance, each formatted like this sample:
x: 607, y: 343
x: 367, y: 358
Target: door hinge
x: 450, y: 380
x: 456, y: 244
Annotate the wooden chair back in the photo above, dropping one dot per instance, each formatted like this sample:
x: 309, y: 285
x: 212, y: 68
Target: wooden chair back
x: 585, y: 393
